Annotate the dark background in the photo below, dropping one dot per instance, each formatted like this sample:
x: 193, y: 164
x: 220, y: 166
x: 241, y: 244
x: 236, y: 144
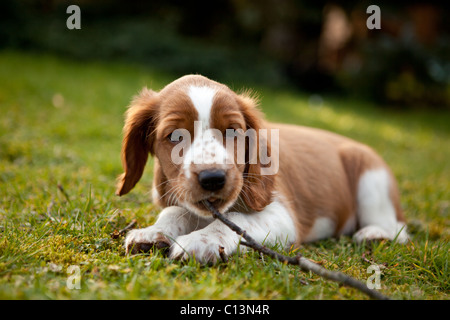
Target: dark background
x: 312, y: 46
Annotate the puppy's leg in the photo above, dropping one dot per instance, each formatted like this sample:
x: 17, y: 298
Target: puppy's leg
x: 171, y: 223
x: 272, y: 225
x: 376, y: 211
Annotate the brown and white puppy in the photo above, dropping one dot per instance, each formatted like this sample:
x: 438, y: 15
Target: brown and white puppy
x: 322, y: 184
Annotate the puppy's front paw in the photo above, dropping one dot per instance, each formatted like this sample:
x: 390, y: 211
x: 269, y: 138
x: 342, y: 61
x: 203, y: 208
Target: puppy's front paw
x: 370, y: 233
x: 144, y: 240
x: 202, y: 247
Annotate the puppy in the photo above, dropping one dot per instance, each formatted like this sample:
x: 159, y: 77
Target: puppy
x: 283, y: 184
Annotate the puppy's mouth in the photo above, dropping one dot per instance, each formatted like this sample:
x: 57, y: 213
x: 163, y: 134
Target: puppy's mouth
x: 216, y: 202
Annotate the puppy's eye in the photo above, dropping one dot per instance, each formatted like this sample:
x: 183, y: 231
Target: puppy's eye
x: 175, y: 137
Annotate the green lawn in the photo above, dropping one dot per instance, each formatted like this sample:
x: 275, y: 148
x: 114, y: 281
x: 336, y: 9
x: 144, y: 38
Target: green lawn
x: 60, y: 136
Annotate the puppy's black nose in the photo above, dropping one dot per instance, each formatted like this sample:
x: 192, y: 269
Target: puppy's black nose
x: 212, y: 180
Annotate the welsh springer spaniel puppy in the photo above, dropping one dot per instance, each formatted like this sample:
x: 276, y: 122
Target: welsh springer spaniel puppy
x: 294, y: 185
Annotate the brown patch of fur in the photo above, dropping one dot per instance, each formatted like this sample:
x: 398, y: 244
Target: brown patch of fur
x: 138, y: 139
x: 319, y: 175
x: 258, y: 189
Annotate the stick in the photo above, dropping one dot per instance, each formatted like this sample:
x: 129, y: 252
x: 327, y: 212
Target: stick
x: 304, y: 263
x: 121, y: 232
x: 128, y: 227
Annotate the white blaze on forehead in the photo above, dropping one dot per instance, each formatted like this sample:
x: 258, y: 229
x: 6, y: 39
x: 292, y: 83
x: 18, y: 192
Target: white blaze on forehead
x: 206, y: 148
x: 202, y: 98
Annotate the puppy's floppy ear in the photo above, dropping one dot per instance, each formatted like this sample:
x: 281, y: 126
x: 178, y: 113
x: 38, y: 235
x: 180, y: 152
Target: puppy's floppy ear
x: 257, y: 188
x: 138, y: 139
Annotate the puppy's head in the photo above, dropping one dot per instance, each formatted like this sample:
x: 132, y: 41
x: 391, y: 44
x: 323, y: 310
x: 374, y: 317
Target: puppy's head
x: 205, y: 141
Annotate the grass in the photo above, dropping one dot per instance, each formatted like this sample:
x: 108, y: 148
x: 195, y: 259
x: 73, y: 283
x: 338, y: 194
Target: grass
x: 60, y: 135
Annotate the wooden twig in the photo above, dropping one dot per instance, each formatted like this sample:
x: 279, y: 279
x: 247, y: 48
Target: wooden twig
x: 122, y: 232
x: 128, y: 227
x: 304, y: 263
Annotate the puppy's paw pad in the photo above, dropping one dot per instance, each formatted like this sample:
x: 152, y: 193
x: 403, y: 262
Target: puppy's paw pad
x: 145, y: 240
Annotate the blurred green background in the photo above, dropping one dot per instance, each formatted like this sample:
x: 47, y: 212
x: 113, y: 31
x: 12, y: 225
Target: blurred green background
x: 313, y: 46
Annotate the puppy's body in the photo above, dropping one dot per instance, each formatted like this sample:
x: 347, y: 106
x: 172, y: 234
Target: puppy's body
x: 327, y: 185
x: 319, y: 179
